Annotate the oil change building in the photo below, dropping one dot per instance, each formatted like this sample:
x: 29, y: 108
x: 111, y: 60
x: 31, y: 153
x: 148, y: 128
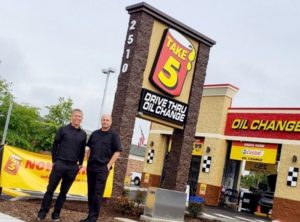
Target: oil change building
x: 229, y: 139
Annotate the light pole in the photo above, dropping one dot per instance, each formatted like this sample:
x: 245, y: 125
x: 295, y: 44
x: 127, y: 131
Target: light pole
x: 107, y: 73
x: 6, y: 123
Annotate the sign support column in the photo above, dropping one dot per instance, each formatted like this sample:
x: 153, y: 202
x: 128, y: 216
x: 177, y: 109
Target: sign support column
x: 145, y: 30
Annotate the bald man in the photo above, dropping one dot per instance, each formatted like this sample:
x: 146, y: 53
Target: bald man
x: 105, y: 147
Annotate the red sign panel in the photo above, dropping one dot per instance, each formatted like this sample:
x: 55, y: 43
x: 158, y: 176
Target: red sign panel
x: 263, y: 125
x: 173, y: 61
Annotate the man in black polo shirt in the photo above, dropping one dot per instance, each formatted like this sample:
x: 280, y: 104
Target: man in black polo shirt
x: 105, y: 148
x: 67, y: 157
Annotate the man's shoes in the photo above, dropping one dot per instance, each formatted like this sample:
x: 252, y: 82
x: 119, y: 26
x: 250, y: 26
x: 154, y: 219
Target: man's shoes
x: 40, y: 218
x: 85, y: 220
x: 55, y: 216
x: 55, y: 219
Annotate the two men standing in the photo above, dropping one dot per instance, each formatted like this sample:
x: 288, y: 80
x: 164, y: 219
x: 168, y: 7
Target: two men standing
x: 67, y: 155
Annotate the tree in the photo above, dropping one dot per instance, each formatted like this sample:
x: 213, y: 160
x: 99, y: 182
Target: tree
x: 5, y: 93
x: 60, y: 114
x: 27, y: 128
x: 253, y: 179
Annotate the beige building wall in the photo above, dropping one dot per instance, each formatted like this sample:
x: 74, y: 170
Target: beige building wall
x: 211, y: 125
x: 213, y: 114
x: 218, y: 154
x: 282, y: 190
x: 158, y: 140
x: 159, y: 145
x: 216, y: 100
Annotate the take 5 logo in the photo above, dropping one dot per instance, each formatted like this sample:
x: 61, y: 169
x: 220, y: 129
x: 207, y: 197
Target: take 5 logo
x: 13, y: 164
x: 173, y: 61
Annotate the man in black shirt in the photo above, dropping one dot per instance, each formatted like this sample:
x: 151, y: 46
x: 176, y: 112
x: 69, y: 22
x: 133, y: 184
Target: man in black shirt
x: 67, y: 157
x: 105, y: 147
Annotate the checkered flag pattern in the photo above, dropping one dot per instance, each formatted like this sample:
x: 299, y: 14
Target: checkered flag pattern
x: 150, y: 156
x: 206, y: 164
x: 292, y: 176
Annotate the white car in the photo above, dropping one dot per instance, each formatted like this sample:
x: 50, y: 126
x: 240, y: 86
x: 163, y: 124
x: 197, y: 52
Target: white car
x: 136, y: 178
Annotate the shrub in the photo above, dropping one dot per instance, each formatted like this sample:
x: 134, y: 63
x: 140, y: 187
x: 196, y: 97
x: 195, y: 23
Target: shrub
x: 124, y: 206
x: 138, y: 211
x: 125, y: 192
x: 139, y: 198
x: 195, y: 209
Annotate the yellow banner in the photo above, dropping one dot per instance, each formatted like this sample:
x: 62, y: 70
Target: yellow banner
x: 254, y: 152
x: 198, y: 147
x: 29, y: 172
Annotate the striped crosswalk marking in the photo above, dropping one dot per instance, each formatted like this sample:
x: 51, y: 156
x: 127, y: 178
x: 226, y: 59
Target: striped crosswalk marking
x: 226, y: 218
x: 244, y: 219
x: 221, y: 215
x: 209, y: 216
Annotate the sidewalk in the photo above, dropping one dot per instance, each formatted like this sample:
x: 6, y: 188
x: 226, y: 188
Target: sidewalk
x: 6, y: 218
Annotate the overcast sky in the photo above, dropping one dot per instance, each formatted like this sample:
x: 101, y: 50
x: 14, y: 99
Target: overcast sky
x: 58, y: 48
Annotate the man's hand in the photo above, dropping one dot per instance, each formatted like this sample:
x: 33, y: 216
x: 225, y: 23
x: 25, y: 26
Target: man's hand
x: 109, y: 167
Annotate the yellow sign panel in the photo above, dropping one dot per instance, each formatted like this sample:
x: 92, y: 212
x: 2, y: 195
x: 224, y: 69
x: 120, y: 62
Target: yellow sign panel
x: 261, y: 167
x: 127, y: 181
x: 202, y: 190
x: 166, y: 46
x: 198, y: 147
x: 146, y: 177
x: 30, y: 171
x: 168, y: 76
x: 254, y: 152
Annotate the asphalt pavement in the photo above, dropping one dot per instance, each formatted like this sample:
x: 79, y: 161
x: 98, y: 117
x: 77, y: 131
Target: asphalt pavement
x: 228, y: 215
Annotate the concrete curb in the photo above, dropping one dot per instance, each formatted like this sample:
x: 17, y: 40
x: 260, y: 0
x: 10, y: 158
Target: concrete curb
x: 124, y: 219
x: 7, y: 218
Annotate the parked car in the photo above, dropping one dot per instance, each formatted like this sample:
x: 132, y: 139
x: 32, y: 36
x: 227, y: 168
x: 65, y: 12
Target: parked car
x: 136, y: 178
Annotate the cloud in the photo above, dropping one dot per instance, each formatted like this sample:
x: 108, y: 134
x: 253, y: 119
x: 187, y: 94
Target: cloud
x: 58, y: 48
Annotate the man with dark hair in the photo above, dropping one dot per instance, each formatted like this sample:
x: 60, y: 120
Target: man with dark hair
x: 67, y: 157
x: 105, y: 147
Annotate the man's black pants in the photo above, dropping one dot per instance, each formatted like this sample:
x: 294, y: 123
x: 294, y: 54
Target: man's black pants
x: 65, y: 171
x: 97, y: 177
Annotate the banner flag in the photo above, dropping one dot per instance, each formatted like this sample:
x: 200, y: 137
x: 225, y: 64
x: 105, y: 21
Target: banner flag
x: 141, y: 139
x: 29, y: 172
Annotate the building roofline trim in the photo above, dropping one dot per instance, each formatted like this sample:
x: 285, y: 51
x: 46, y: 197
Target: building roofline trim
x: 161, y: 16
x: 264, y: 108
x: 221, y: 86
x: 162, y: 132
x: 135, y: 157
x: 249, y: 139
